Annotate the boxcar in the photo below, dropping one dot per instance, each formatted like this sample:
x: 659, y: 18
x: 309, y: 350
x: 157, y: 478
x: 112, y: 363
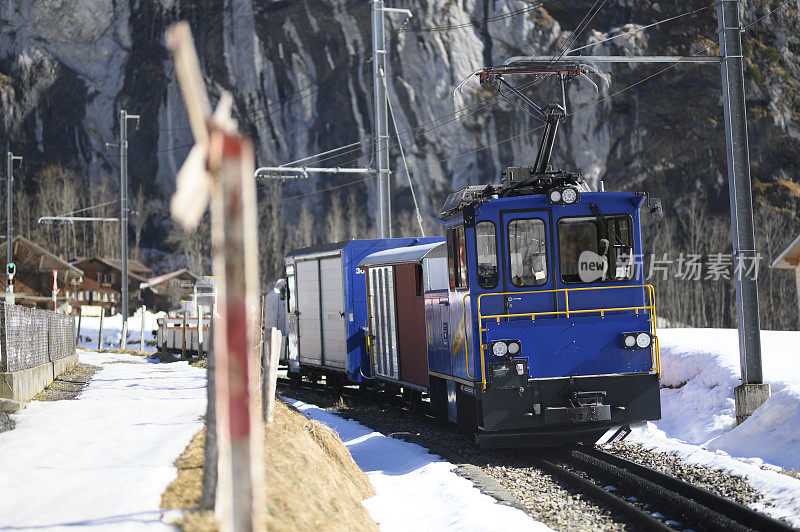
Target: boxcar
x: 397, y: 280
x: 327, y: 307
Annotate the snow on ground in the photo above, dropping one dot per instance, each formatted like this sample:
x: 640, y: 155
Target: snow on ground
x: 101, y: 461
x: 700, y: 369
x: 417, y: 490
x: 112, y: 330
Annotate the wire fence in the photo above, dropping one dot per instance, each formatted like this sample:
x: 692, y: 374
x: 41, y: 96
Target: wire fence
x: 31, y: 337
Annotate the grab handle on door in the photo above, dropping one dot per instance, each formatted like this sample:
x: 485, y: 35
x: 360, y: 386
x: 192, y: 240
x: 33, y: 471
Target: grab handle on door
x: 514, y: 298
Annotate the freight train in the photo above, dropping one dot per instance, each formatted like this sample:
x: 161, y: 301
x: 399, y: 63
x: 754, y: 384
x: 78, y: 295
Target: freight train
x: 528, y: 324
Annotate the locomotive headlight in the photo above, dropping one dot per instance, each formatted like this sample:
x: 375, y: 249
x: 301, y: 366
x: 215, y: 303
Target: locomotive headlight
x: 569, y: 195
x: 499, y: 348
x: 513, y: 347
x: 630, y: 341
x: 643, y: 340
x: 637, y: 340
x: 554, y: 196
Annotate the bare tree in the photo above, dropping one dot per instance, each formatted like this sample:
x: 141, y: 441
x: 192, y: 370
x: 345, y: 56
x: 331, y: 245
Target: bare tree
x: 195, y: 246
x: 139, y: 216
x: 334, y: 220
x: 354, y: 214
x: 305, y: 227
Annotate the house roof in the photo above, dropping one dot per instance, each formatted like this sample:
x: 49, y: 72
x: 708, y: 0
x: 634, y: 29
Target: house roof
x: 160, y: 279
x: 31, y: 257
x: 136, y: 269
x: 790, y: 258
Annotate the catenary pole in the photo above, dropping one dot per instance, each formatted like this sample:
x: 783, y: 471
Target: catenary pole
x: 382, y: 218
x: 752, y: 392
x: 123, y: 217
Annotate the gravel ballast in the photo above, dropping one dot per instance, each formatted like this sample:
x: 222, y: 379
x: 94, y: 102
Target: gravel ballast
x: 544, y: 498
x: 6, y: 423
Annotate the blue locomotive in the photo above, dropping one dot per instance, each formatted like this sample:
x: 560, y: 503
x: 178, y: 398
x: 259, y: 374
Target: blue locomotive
x: 529, y: 324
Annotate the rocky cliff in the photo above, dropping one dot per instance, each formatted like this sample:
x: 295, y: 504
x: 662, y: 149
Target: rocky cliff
x: 300, y: 74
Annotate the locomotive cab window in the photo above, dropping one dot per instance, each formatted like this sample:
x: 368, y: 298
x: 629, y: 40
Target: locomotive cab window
x: 457, y: 257
x: 610, y: 241
x: 527, y: 247
x: 486, y: 248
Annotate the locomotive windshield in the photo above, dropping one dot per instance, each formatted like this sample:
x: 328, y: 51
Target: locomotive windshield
x: 609, y: 239
x: 526, y: 245
x: 486, y: 248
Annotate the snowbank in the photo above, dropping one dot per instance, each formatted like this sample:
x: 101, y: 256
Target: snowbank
x: 112, y: 330
x: 417, y: 490
x: 104, y: 459
x: 700, y: 369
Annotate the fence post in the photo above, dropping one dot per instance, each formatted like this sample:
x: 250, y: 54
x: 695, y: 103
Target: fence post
x: 100, y: 338
x: 141, y: 338
x: 80, y: 316
x: 183, y: 334
x: 200, y: 352
x: 3, y: 338
x: 275, y: 347
x: 211, y: 459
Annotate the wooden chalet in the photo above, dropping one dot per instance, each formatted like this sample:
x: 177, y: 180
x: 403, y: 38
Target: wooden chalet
x: 102, y: 283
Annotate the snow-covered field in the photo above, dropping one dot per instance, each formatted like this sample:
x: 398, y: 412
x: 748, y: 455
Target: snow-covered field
x: 700, y: 369
x: 101, y: 461
x: 112, y: 330
x: 415, y: 489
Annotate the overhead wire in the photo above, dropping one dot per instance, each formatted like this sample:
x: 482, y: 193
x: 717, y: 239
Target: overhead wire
x: 488, y: 101
x: 526, y: 132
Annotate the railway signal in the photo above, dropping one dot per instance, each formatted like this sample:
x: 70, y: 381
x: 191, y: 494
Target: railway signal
x: 220, y: 168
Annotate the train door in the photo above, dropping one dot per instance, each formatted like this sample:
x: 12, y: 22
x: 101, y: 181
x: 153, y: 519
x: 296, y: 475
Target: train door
x: 383, y: 321
x: 334, y: 324
x: 527, y: 253
x: 308, y: 318
x: 291, y: 318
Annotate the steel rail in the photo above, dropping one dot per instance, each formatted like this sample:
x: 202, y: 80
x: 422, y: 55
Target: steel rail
x: 690, y: 502
x: 635, y: 514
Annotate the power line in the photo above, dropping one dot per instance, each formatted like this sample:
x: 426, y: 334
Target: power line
x: 596, y: 102
x: 637, y: 30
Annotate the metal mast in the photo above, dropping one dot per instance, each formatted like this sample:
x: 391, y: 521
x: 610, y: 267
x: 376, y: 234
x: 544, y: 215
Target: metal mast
x: 123, y: 207
x: 10, y: 158
x: 383, y: 215
x: 752, y: 392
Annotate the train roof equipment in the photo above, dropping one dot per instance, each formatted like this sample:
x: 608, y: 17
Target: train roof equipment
x: 539, y: 178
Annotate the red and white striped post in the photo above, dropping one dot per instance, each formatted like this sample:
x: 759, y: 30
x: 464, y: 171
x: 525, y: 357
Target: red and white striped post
x: 221, y: 167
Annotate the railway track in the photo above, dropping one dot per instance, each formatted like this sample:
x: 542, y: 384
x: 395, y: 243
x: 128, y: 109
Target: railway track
x: 652, y: 499
x: 643, y: 497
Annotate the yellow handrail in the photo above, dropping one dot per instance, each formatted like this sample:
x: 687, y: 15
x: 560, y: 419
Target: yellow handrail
x: 464, y: 321
x: 656, y: 354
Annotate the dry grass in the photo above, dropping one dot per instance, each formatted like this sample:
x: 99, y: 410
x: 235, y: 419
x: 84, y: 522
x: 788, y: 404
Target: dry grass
x: 134, y: 352
x: 312, y: 481
x: 794, y: 473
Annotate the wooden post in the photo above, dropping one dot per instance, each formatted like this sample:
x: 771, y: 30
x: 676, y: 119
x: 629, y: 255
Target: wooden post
x: 100, y: 338
x: 183, y: 339
x: 221, y: 165
x: 78, y: 336
x: 275, y: 347
x: 200, y: 350
x: 141, y: 338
